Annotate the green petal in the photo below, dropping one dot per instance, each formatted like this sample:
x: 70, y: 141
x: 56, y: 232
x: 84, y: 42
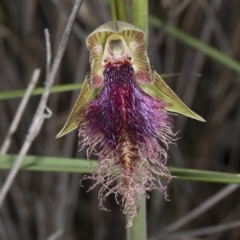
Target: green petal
x: 162, y: 91
x: 86, y: 95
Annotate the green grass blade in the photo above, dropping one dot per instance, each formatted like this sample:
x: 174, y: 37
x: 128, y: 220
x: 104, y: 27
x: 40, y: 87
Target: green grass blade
x: 49, y: 164
x: 55, y: 164
x: 204, y: 176
x: 195, y: 43
x: 55, y: 89
x: 38, y: 91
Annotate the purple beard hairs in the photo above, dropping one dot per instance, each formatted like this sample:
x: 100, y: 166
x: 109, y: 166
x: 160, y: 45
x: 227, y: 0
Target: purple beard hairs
x: 132, y: 131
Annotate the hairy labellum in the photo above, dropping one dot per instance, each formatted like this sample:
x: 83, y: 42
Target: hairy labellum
x: 132, y: 131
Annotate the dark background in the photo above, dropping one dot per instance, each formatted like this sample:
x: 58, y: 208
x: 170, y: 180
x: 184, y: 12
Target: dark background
x: 40, y: 204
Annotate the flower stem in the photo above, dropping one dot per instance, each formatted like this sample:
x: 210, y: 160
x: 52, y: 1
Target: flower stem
x: 140, y: 15
x: 139, y: 229
x: 119, y: 10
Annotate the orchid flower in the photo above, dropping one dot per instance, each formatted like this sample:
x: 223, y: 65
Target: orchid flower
x: 123, y: 116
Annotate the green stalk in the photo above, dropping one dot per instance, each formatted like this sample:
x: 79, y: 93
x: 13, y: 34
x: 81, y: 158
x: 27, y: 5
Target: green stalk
x: 56, y: 164
x: 139, y: 229
x: 119, y: 10
x: 113, y: 10
x: 140, y: 19
x: 140, y: 15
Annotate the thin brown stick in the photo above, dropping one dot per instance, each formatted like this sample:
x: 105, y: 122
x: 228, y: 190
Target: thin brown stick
x: 19, y: 113
x: 204, y: 231
x: 55, y: 235
x: 40, y: 114
x: 32, y: 133
x: 48, y: 52
x: 202, y: 208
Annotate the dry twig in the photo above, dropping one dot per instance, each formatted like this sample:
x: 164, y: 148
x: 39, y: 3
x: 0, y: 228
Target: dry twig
x: 204, y: 231
x: 19, y: 113
x: 55, y: 235
x: 202, y: 208
x: 40, y: 114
